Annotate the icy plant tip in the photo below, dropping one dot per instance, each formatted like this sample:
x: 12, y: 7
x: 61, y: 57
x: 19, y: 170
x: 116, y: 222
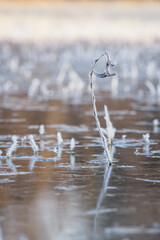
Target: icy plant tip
x: 55, y: 150
x: 155, y: 122
x: 146, y: 137
x: 72, y: 145
x: 12, y: 147
x: 41, y: 129
x: 59, y: 138
x: 109, y: 131
x: 33, y: 144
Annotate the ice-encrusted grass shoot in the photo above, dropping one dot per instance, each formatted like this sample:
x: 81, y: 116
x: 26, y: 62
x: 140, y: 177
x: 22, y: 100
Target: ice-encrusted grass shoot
x: 12, y: 147
x: 155, y: 122
x: 55, y: 150
x: 41, y: 129
x: 33, y: 144
x: 110, y: 130
x: 146, y: 137
x: 59, y: 138
x: 24, y: 140
x: 72, y: 145
x: 101, y: 75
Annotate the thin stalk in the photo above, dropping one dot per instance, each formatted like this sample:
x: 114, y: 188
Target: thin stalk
x: 98, y: 124
x: 100, y: 75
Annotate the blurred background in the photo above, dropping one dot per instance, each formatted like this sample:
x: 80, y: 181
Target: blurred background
x: 38, y: 38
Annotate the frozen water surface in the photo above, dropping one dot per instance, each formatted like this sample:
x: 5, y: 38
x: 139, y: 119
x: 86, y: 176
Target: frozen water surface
x: 75, y: 195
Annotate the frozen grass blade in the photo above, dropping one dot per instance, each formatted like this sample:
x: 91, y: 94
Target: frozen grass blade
x: 24, y: 140
x: 105, y: 74
x: 55, y: 150
x: 59, y: 138
x: 33, y: 144
x: 72, y: 145
x: 110, y: 130
x: 146, y: 137
x: 41, y: 129
x: 155, y: 122
x: 12, y: 147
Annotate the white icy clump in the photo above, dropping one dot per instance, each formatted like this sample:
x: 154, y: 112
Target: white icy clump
x: 59, y: 138
x: 146, y: 137
x: 72, y: 145
x: 33, y: 144
x: 41, y: 129
x: 55, y: 150
x: 33, y: 88
x: 124, y: 137
x: 12, y: 147
x: 0, y: 152
x: 155, y: 122
x: 110, y: 130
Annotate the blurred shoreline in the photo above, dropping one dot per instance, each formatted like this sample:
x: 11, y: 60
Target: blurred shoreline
x: 69, y: 22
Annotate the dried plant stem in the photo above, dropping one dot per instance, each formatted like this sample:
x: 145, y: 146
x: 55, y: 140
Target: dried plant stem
x: 101, y: 75
x: 98, y: 123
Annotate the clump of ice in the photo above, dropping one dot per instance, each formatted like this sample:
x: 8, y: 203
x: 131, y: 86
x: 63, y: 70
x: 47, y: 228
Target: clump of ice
x: 146, y: 137
x: 55, y: 150
x: 110, y: 130
x: 33, y: 144
x: 12, y: 147
x: 155, y: 122
x: 124, y: 137
x: 72, y: 145
x: 33, y: 89
x: 41, y: 129
x: 59, y: 138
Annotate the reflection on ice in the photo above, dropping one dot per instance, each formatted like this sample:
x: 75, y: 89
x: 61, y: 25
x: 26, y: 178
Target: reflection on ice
x: 32, y: 162
x: 11, y: 165
x: 131, y: 230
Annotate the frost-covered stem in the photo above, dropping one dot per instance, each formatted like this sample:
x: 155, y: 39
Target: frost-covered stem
x: 33, y: 144
x: 12, y: 147
x: 98, y: 122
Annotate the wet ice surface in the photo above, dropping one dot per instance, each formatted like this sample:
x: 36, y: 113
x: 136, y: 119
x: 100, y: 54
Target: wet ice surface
x: 75, y: 195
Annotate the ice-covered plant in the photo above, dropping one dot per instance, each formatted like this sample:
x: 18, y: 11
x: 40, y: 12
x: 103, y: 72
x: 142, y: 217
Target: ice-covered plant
x: 12, y: 147
x: 0, y: 152
x: 146, y: 137
x: 33, y: 144
x: 100, y: 75
x: 41, y: 129
x: 24, y: 139
x: 155, y: 122
x: 55, y: 150
x: 110, y: 130
x: 59, y: 138
x: 72, y: 145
